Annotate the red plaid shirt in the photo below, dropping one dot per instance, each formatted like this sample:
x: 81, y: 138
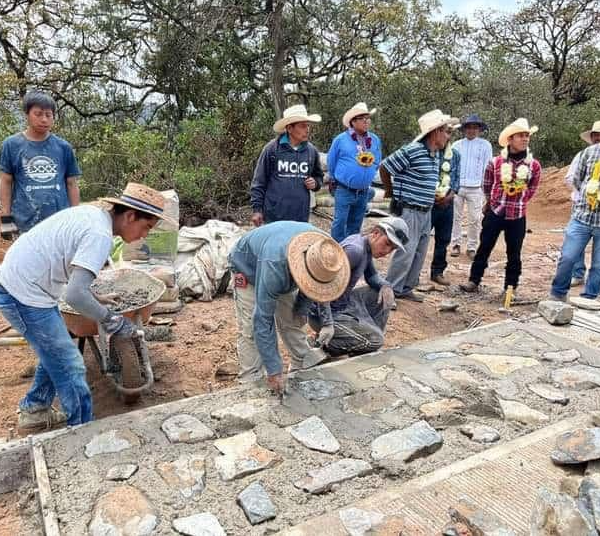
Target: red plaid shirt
x: 513, y: 207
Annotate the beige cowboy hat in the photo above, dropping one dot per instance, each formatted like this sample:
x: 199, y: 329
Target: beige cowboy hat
x: 294, y: 114
x: 520, y: 125
x: 319, y: 266
x: 435, y: 119
x: 142, y: 198
x: 360, y: 108
x: 587, y: 135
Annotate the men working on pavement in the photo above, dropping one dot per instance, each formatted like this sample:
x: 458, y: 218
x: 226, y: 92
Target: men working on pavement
x: 352, y: 162
x: 269, y: 265
x: 475, y: 154
x: 357, y: 319
x: 68, y: 248
x: 511, y: 180
x: 411, y: 176
x: 287, y: 170
x: 38, y: 170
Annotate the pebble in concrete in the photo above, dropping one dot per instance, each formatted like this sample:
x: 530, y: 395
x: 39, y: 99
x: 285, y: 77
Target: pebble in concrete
x: 480, y: 434
x: 585, y: 303
x: 503, y: 365
x: 577, y: 377
x: 441, y: 407
x: 123, y: 471
x: 434, y: 356
x: 256, y: 503
x: 247, y: 411
x: 185, y: 428
x: 558, y: 514
x: 478, y: 521
x: 376, y: 374
x: 185, y: 474
x: 323, y: 389
x: 111, y: 442
x: 123, y: 510
x: 577, y: 446
x: 561, y: 356
x: 417, y: 440
x: 359, y: 522
x: 204, y: 524
x: 420, y: 387
x: 555, y: 312
x: 322, y: 479
x: 313, y: 434
x: 515, y: 411
x: 552, y: 394
x: 460, y: 377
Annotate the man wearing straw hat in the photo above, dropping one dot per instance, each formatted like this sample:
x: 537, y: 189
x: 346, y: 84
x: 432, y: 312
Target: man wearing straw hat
x: 410, y: 175
x: 288, y: 169
x: 68, y: 249
x: 511, y: 180
x: 352, y: 161
x: 279, y: 270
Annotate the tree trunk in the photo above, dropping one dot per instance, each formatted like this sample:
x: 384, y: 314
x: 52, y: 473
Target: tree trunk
x: 279, y: 47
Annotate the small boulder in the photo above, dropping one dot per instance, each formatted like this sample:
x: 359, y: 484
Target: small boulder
x: 556, y: 313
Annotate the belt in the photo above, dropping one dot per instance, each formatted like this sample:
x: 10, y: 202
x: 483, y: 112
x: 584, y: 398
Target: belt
x: 418, y: 208
x: 353, y: 190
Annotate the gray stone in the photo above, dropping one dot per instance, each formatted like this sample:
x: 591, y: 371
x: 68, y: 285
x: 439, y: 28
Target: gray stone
x: 558, y: 515
x: 256, y: 503
x: 323, y: 389
x: 185, y: 428
x: 123, y: 510
x: 587, y: 492
x: 359, y: 522
x: 481, y: 433
x: 585, y: 303
x: 186, y: 474
x: 419, y: 439
x: 592, y: 468
x: 570, y: 485
x: 577, y: 446
x: 247, y: 412
x: 479, y: 522
x: 515, y: 411
x: 448, y: 306
x: 443, y: 412
x: 123, y: 471
x: 555, y: 312
x: 577, y: 377
x: 111, y: 442
x: 561, y: 356
x: 313, y: 434
x: 371, y: 401
x: 460, y: 377
x: 503, y: 365
x: 204, y: 524
x: 434, y: 356
x: 482, y: 402
x: 595, y: 416
x: 550, y: 393
x: 417, y: 386
x: 322, y: 479
x: 376, y: 374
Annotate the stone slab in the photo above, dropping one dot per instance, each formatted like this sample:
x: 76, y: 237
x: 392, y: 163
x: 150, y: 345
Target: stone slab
x: 552, y: 394
x: 123, y: 471
x: 480, y: 433
x: 577, y: 377
x: 185, y: 428
x: 111, y: 442
x: 202, y: 524
x: 313, y: 434
x: 321, y: 480
x: 185, y: 474
x: 577, y: 446
x: 256, y: 503
x: 516, y: 411
x: 502, y: 365
x: 417, y: 440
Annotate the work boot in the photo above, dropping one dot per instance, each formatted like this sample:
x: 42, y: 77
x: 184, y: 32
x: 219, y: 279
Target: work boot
x: 440, y: 280
x: 455, y: 251
x: 471, y: 254
x: 469, y: 287
x: 37, y: 421
x: 555, y: 297
x: 411, y: 295
x: 577, y: 281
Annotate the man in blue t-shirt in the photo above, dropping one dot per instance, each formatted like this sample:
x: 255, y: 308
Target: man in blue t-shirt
x: 38, y: 170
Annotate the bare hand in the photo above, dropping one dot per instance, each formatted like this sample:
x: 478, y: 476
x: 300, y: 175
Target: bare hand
x: 485, y: 208
x: 276, y: 382
x: 386, y: 297
x: 310, y: 183
x: 112, y: 298
x: 257, y: 219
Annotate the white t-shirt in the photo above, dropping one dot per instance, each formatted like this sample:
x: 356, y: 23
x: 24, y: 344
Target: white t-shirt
x: 37, y: 266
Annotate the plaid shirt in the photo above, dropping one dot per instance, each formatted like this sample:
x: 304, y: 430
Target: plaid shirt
x: 580, y: 177
x: 514, y: 207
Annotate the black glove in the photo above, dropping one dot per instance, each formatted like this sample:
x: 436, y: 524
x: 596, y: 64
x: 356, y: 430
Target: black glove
x: 8, y: 227
x: 120, y: 326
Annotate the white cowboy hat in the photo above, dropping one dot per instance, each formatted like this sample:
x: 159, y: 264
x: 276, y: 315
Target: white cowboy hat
x: 435, y: 119
x: 520, y: 125
x: 587, y: 135
x: 360, y: 108
x: 294, y: 114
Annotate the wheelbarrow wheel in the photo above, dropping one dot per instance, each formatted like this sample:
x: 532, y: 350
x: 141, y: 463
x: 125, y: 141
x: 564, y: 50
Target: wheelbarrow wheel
x: 131, y: 371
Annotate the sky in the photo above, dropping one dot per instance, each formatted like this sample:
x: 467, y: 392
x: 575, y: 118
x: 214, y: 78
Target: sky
x: 466, y: 8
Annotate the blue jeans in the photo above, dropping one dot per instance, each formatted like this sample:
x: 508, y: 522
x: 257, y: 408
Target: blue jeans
x: 60, y: 370
x: 577, y: 236
x: 349, y: 211
x: 579, y: 268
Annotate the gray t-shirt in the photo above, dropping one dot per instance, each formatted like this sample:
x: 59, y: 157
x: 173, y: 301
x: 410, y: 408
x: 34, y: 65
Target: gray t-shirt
x: 38, y: 265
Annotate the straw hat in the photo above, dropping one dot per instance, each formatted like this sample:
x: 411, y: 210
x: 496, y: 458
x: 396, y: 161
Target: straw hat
x: 294, y: 114
x: 319, y: 266
x: 360, y: 108
x: 587, y: 135
x: 520, y: 125
x: 435, y: 119
x: 142, y: 198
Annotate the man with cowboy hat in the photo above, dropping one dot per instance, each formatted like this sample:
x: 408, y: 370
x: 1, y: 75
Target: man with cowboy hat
x: 411, y: 176
x: 279, y: 269
x: 475, y: 154
x: 585, y: 221
x: 511, y: 180
x: 359, y: 316
x: 62, y: 256
x: 352, y: 162
x: 287, y: 170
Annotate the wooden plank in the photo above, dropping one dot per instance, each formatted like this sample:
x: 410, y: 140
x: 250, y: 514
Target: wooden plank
x: 49, y: 517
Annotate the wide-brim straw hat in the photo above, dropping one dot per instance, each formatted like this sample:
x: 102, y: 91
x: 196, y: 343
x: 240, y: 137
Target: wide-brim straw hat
x: 360, y: 108
x: 319, y: 266
x: 144, y: 199
x: 435, y: 119
x: 294, y: 114
x: 520, y: 125
x: 587, y: 135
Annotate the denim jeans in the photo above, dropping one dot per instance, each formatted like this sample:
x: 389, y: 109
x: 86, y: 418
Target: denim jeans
x: 60, y: 370
x: 577, y: 236
x: 441, y: 221
x: 579, y: 268
x: 349, y: 211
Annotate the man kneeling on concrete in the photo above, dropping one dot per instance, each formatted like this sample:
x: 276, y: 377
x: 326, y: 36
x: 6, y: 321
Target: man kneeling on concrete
x: 355, y: 323
x: 279, y: 270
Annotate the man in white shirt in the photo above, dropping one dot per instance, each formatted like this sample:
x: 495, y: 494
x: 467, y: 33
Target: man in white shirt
x: 475, y: 154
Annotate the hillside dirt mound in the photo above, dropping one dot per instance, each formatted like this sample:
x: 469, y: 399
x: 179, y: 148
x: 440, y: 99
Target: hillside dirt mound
x: 552, y: 202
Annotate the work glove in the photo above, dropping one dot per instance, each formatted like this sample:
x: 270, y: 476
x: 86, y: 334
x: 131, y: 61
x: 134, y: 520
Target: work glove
x: 325, y: 335
x: 8, y: 228
x: 386, y: 297
x: 119, y: 326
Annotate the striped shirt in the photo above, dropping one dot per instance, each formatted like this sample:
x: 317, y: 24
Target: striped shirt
x: 581, y: 176
x: 475, y: 155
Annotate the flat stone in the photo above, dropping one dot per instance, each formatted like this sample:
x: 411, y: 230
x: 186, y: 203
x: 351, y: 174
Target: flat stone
x: 185, y: 428
x: 322, y: 479
x: 323, y: 389
x: 555, y: 312
x: 448, y: 306
x: 441, y: 407
x: 371, y: 401
x: 122, y: 511
x: 550, y: 393
x: 483, y: 402
x: 204, y: 524
x: 376, y: 374
x: 460, y: 377
x: 359, y: 522
x: 418, y: 386
x: 478, y: 521
x: 577, y: 446
x: 558, y: 515
x: 434, y: 356
x: 256, y: 503
x: 186, y: 474
x: 585, y: 303
x: 588, y: 493
x: 595, y: 417
x: 313, y: 434
x: 561, y: 356
x: 503, y: 364
x: 123, y: 471
x: 515, y: 411
x: 480, y: 433
x: 577, y: 377
x: 570, y: 485
x: 415, y: 441
x: 244, y: 411
x: 111, y: 442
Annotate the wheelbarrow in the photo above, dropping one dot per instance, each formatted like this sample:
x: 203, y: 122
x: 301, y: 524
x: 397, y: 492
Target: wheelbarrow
x: 125, y: 361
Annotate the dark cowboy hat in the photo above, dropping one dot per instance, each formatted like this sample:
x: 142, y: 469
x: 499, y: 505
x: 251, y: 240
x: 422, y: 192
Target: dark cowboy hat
x: 473, y: 119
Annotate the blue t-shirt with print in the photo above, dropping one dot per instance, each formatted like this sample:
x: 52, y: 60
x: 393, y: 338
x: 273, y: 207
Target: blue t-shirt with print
x: 39, y: 170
